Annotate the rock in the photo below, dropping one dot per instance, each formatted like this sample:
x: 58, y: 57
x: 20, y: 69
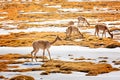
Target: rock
x: 2, y: 77
x: 103, y: 57
x: 103, y: 61
x: 116, y: 62
x: 81, y: 58
x: 44, y: 73
x: 70, y: 54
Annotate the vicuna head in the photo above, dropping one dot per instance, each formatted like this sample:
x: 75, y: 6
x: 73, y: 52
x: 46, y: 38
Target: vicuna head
x: 111, y: 36
x: 71, y: 23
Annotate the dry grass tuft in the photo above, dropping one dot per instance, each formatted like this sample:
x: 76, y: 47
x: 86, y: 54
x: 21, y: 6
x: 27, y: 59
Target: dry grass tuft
x: 58, y: 66
x: 91, y: 68
x: 26, y: 39
x: 3, y: 66
x: 22, y: 77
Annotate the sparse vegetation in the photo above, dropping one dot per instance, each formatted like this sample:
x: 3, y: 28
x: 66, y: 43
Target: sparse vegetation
x: 23, y: 14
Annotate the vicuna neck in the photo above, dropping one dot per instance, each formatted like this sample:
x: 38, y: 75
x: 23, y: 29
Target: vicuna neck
x: 54, y: 41
x: 110, y: 33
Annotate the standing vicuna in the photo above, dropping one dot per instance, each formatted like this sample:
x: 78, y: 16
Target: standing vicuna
x: 104, y: 28
x: 44, y: 45
x: 83, y: 20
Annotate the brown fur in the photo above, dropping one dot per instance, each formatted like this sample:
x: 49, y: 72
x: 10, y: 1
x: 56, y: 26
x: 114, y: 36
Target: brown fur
x: 71, y: 30
x: 42, y: 45
x: 83, y: 20
x: 104, y: 28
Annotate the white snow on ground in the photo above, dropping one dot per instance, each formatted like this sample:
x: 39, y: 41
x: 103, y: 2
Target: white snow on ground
x: 54, y: 29
x: 69, y: 9
x: 42, y: 29
x: 61, y: 53
x: 51, y: 28
x: 34, y: 12
x: 2, y: 17
x: 3, y: 12
x: 52, y: 6
x: 81, y: 10
x: 64, y: 21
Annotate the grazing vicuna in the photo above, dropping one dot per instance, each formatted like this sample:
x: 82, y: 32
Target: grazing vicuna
x: 44, y: 45
x: 72, y: 29
x: 104, y: 28
x: 83, y: 21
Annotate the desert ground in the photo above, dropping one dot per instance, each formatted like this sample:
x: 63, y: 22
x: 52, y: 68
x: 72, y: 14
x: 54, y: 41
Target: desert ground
x: 73, y: 58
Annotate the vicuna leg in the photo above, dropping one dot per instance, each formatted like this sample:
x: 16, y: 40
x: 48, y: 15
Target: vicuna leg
x: 98, y: 33
x: 81, y: 35
x: 78, y: 23
x: 83, y: 22
x: 68, y: 32
x: 49, y: 54
x: 35, y: 54
x: 95, y: 32
x: 103, y: 33
x: 32, y: 54
x: 43, y: 54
